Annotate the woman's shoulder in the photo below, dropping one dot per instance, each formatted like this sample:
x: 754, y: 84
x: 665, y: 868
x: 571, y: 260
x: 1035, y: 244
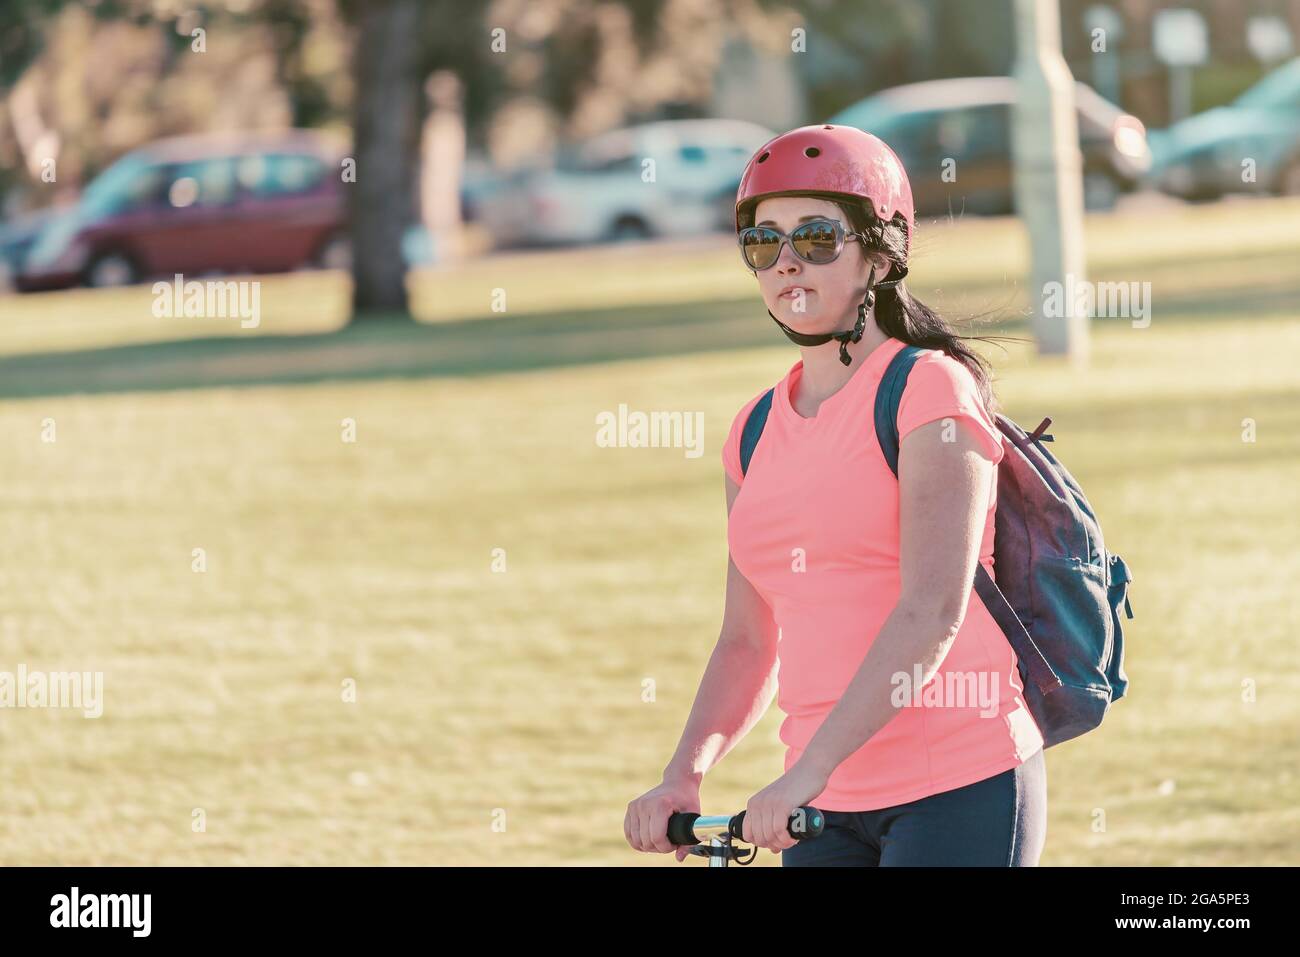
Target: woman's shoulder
x: 940, y: 386
x: 731, y: 457
x: 742, y: 416
x: 935, y: 368
x: 939, y: 357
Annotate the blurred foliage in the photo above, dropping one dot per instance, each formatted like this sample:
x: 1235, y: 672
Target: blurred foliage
x: 289, y: 22
x: 112, y: 73
x: 97, y: 79
x: 572, y: 53
x: 869, y: 45
x: 24, y: 25
x: 1219, y: 83
x: 583, y: 65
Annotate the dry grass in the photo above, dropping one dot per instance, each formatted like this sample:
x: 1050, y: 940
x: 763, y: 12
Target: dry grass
x: 519, y: 693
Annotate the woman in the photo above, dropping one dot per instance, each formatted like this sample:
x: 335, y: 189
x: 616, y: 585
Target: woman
x: 905, y: 720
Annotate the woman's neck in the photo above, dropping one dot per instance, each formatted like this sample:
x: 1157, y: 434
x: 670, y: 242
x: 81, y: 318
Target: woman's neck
x: 824, y: 374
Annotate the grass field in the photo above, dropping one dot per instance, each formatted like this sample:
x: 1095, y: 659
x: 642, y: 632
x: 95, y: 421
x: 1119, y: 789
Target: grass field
x: 487, y: 698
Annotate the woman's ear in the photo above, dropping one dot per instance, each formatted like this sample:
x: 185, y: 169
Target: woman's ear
x: 880, y: 261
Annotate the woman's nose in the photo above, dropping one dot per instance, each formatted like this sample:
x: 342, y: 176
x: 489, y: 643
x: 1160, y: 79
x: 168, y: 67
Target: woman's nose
x: 787, y: 261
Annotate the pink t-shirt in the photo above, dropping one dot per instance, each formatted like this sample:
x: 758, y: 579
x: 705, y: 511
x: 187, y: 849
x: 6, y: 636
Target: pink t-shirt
x: 815, y: 529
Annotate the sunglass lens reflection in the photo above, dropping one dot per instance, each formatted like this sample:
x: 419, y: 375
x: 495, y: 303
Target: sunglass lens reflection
x: 816, y: 242
x: 761, y: 247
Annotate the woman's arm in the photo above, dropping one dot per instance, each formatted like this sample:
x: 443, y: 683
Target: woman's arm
x: 739, y: 681
x: 944, y: 489
x: 736, y: 689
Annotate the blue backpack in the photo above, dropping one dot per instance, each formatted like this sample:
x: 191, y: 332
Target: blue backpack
x: 1061, y: 591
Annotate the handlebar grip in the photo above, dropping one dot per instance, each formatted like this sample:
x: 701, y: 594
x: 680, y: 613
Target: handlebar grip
x: 805, y: 822
x: 681, y: 828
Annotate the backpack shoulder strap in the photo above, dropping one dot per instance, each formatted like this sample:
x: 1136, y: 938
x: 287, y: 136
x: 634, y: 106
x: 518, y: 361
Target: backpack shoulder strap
x: 753, y: 429
x: 888, y: 395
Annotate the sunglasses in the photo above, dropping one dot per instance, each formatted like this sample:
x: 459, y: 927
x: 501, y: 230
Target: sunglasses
x: 818, y: 241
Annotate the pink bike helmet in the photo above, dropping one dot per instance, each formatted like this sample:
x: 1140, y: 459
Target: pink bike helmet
x: 830, y: 159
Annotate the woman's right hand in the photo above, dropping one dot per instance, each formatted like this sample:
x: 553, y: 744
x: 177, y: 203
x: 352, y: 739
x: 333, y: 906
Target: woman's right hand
x: 646, y: 823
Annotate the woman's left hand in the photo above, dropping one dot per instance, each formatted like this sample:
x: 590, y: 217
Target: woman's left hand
x: 767, y: 815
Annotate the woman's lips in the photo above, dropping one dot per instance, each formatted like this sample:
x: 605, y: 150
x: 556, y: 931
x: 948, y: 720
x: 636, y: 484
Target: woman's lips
x: 793, y: 292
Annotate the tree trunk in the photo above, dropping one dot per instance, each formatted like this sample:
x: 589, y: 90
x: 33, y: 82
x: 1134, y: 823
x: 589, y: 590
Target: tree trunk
x: 386, y: 131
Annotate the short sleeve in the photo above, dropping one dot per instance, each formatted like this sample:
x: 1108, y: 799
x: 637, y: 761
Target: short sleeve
x: 941, y: 387
x: 731, y: 448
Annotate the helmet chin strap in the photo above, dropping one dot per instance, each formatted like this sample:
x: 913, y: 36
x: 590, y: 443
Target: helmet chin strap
x: 859, y: 327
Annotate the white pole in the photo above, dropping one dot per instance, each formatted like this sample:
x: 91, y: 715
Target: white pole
x: 1049, y: 181
x: 442, y: 164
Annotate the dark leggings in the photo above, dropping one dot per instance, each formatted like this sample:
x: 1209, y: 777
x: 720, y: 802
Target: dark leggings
x: 998, y: 822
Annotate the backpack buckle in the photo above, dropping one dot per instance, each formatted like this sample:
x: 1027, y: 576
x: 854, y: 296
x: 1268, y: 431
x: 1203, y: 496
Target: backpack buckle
x: 1038, y: 434
x: 1120, y: 575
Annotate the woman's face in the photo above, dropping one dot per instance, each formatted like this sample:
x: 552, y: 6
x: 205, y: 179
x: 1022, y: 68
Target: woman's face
x: 809, y: 297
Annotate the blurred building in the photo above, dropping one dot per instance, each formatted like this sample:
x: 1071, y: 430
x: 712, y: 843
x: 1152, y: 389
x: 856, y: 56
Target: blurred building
x: 1244, y: 40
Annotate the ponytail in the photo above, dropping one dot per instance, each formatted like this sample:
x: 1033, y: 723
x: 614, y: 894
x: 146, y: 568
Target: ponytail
x: 900, y: 315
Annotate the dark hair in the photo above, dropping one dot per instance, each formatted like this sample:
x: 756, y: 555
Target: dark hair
x: 898, y: 313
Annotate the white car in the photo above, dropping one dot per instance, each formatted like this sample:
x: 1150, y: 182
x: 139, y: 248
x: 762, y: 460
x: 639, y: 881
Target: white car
x: 668, y: 178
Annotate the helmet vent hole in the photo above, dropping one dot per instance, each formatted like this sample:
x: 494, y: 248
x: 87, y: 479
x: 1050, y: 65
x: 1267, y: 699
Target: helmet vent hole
x: 812, y: 152
x: 763, y: 157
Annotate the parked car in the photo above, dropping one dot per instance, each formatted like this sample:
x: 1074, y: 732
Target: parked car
x: 604, y: 188
x: 478, y: 182
x: 1204, y: 156
x: 17, y: 235
x: 255, y: 202
x: 969, y: 121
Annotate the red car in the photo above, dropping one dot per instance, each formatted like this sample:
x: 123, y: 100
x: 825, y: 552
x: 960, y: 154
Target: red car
x: 247, y: 202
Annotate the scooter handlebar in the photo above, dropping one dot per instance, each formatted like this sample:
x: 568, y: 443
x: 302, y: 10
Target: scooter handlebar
x: 681, y: 828
x: 805, y: 823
